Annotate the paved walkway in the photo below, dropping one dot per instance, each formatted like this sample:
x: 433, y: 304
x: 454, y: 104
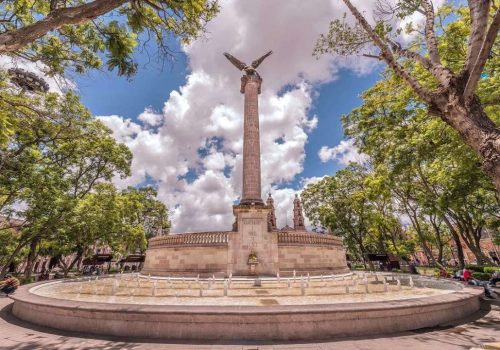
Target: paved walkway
x: 483, y: 327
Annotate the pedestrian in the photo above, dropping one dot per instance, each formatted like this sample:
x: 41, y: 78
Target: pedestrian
x: 495, y: 277
x: 9, y: 284
x: 467, y: 275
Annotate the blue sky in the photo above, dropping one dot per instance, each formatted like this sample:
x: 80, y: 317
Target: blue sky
x: 106, y: 94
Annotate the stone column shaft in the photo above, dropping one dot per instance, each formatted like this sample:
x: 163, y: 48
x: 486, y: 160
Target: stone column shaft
x: 251, y: 142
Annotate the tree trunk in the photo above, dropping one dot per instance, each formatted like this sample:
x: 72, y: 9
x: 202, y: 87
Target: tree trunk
x: 460, y: 252
x: 439, y: 241
x: 477, y: 131
x: 67, y: 269
x: 31, y: 258
x: 13, y: 40
x: 16, y: 251
x: 425, y: 247
x: 456, y: 239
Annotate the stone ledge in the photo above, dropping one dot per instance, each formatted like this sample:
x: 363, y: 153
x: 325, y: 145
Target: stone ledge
x: 239, y: 322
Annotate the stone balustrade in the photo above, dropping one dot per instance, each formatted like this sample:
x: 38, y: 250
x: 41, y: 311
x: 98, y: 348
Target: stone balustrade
x: 190, y: 239
x: 289, y: 238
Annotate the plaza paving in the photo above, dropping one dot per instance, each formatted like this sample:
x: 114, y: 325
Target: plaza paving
x: 474, y: 332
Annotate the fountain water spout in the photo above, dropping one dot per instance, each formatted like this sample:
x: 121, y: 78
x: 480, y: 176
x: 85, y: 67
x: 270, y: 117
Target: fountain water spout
x: 114, y: 287
x: 153, y: 292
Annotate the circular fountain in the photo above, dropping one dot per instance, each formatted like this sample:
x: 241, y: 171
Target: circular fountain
x: 265, y: 308
x: 257, y: 282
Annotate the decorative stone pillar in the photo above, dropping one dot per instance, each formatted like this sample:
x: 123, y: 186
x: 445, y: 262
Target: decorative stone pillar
x: 271, y: 217
x: 298, y: 218
x: 250, y: 86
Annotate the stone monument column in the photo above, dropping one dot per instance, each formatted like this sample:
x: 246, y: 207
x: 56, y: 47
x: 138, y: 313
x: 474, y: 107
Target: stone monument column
x: 252, y: 249
x: 250, y: 86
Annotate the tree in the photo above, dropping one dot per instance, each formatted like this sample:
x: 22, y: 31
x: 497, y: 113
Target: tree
x: 107, y: 217
x: 59, y: 170
x: 76, y: 34
x: 341, y: 204
x: 431, y: 174
x: 144, y: 209
x: 451, y: 90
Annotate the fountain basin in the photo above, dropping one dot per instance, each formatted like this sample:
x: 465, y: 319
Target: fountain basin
x: 304, y: 321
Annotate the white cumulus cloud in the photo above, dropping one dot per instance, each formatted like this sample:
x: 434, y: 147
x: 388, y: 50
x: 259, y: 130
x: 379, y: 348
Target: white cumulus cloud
x: 192, y: 148
x: 344, y: 153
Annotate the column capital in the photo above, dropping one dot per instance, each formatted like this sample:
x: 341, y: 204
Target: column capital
x: 246, y: 78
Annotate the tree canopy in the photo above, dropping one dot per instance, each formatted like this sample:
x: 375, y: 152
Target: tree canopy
x: 444, y: 65
x: 422, y: 187
x: 84, y: 35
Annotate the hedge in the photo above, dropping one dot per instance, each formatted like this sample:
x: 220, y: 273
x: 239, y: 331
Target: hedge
x: 491, y: 269
x: 482, y: 268
x: 481, y: 276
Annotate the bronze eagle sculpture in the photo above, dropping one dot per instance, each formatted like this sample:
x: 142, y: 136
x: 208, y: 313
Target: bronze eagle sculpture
x: 249, y: 69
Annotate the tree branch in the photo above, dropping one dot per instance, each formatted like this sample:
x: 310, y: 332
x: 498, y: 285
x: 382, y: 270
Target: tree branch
x: 430, y: 35
x: 441, y: 73
x: 387, y: 55
x: 482, y: 57
x: 16, y: 39
x: 479, y: 22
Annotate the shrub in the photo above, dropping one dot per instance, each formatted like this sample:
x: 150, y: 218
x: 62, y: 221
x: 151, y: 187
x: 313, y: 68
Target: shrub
x: 475, y: 268
x: 481, y: 276
x: 491, y: 269
x: 27, y: 280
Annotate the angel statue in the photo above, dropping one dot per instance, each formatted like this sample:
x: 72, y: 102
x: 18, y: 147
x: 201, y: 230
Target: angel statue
x: 249, y: 69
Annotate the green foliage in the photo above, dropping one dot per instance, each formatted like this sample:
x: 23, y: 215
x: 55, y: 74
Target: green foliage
x: 27, y: 280
x: 85, y: 45
x: 481, y: 268
x: 419, y: 166
x: 342, y: 39
x: 58, y: 163
x: 491, y: 269
x: 481, y: 276
x: 107, y: 217
x: 349, y: 205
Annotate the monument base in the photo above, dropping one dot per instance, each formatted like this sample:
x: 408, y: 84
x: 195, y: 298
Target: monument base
x: 229, y: 253
x: 252, y: 239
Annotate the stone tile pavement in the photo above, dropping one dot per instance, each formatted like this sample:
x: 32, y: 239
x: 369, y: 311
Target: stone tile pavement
x: 484, y: 327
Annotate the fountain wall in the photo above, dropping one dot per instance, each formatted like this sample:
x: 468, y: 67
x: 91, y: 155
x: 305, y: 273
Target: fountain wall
x: 223, y: 253
x: 265, y: 323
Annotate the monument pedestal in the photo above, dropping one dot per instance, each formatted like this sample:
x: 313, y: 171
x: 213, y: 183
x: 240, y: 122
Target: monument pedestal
x: 252, y: 240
